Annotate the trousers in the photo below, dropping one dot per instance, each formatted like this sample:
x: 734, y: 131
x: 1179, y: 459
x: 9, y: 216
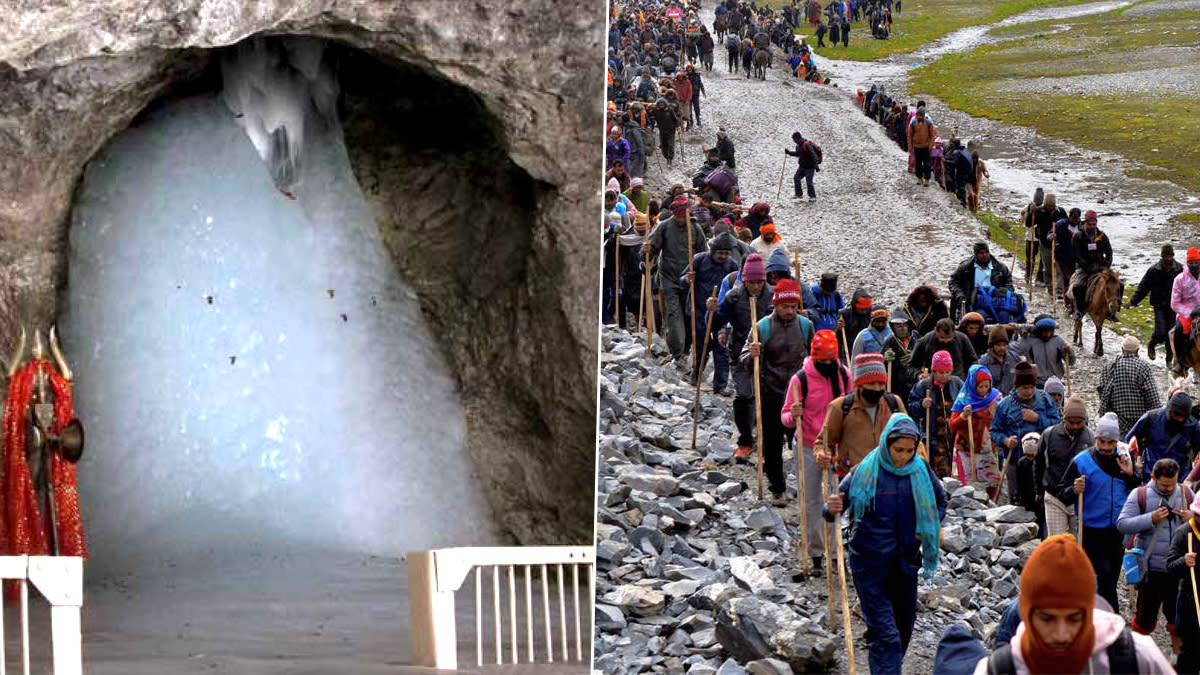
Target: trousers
x: 887, y: 594
x: 801, y: 178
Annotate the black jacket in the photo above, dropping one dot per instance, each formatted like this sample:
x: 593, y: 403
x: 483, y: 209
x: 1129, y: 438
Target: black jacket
x: 1156, y: 283
x: 808, y: 156
x: 962, y: 282
x: 1055, y: 452
x: 725, y: 151
x: 923, y: 321
x: 1089, y: 260
x: 960, y: 350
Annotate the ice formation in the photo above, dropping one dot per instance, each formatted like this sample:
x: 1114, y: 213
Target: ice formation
x: 252, y: 370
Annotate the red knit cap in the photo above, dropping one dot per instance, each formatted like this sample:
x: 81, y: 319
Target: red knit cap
x: 786, y: 290
x: 1193, y: 254
x: 869, y: 368
x: 824, y: 345
x: 1058, y: 576
x: 680, y: 205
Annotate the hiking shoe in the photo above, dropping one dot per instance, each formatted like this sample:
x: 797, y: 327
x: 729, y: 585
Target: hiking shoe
x: 778, y: 500
x: 742, y: 454
x: 812, y: 198
x: 1151, y: 351
x: 818, y: 565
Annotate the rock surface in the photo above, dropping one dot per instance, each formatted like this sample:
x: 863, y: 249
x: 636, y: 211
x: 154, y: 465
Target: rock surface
x: 74, y: 73
x: 731, y: 578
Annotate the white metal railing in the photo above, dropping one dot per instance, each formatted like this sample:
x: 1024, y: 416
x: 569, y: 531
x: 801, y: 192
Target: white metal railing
x: 434, y: 576
x: 60, y: 580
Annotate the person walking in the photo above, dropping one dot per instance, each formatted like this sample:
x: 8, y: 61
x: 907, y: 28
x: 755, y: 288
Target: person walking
x: 896, y: 351
x: 1059, y: 445
x: 829, y: 302
x: 734, y: 309
x: 1027, y: 410
x: 933, y: 396
x: 819, y: 381
x: 1167, y: 433
x: 1181, y: 565
x: 896, y: 506
x: 1127, y: 386
x: 668, y: 247
x: 1156, y: 283
x: 1104, y: 477
x: 1044, y: 349
x: 1150, y: 517
x: 943, y: 338
x: 783, y: 340
x: 809, y: 159
x: 706, y: 271
x: 970, y: 418
x: 1000, y: 361
x: 921, y: 133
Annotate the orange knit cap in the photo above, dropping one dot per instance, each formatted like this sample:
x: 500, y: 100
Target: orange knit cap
x: 1058, y: 576
x: 1193, y: 254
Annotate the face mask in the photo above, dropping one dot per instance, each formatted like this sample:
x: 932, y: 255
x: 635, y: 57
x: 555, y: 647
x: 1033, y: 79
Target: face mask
x: 1194, y: 268
x: 829, y: 286
x: 828, y: 369
x: 871, y: 396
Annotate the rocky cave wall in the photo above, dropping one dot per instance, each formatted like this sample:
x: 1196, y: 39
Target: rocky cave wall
x: 514, y: 302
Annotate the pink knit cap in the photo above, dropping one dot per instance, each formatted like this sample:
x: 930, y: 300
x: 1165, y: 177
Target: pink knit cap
x: 942, y: 361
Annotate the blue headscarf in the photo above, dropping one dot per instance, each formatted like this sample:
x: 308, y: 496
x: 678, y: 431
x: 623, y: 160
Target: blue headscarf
x: 866, y: 475
x: 968, y: 394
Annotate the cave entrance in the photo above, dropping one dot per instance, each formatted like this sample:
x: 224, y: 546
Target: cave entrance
x: 271, y: 418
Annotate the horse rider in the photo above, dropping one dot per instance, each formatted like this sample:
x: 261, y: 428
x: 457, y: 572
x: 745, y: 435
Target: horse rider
x: 1093, y: 254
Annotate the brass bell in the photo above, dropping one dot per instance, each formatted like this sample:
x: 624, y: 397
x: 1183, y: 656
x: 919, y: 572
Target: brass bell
x: 70, y: 441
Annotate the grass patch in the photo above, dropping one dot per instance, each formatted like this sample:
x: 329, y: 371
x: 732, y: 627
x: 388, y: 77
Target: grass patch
x: 923, y: 21
x: 1188, y: 219
x: 1156, y: 128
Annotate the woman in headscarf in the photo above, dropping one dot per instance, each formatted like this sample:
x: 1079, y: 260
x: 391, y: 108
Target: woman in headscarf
x: 973, y: 456
x: 896, y: 506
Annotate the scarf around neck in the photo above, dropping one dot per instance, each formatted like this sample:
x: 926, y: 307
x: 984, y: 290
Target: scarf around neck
x: 968, y: 395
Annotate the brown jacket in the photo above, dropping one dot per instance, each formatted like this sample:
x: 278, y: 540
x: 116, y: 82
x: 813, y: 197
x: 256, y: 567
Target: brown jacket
x: 921, y: 134
x: 853, y: 437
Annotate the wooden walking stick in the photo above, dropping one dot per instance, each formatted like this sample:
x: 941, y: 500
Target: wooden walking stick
x: 1067, y: 363
x: 845, y: 349
x: 841, y: 561
x: 1053, y: 270
x: 971, y: 445
x: 648, y: 296
x: 825, y: 491
x: 1079, y: 517
x: 757, y: 394
x: 617, y: 277
x: 700, y: 370
x: 1004, y: 470
x: 1192, y: 570
x: 687, y: 220
x: 779, y: 192
x: 800, y: 487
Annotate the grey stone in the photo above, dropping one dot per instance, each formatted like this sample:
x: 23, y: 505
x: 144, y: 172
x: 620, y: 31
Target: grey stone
x: 609, y: 618
x: 636, y: 600
x: 729, y: 490
x: 1009, y: 514
x: 641, y: 477
x: 750, y: 575
x: 730, y: 667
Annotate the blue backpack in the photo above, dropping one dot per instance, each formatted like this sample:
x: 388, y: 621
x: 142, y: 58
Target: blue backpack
x: 1000, y: 305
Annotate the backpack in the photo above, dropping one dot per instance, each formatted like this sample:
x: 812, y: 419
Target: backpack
x: 1122, y: 657
x: 722, y: 180
x: 802, y: 377
x: 1141, y: 500
x: 1000, y: 306
x: 731, y: 41
x: 816, y: 150
x: 649, y: 139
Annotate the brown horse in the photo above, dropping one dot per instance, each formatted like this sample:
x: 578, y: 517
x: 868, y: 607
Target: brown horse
x: 1104, y: 297
x: 720, y: 28
x: 761, y: 57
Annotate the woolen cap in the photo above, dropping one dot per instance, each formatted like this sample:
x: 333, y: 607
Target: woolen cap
x: 1130, y: 344
x: 1074, y: 407
x: 824, y: 345
x: 1108, y: 427
x: 1168, y: 250
x: 997, y: 334
x: 869, y: 368
x: 753, y: 269
x: 787, y: 290
x: 1180, y: 403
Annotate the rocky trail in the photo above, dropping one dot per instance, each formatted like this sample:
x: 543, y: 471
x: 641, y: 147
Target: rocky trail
x: 695, y: 574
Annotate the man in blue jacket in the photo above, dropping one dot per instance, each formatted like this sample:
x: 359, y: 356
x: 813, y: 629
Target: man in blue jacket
x: 829, y: 302
x: 1104, y: 478
x: 1167, y: 432
x: 1026, y: 409
x: 708, y: 269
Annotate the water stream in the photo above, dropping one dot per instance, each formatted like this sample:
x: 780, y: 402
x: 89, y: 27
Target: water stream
x: 1134, y: 211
